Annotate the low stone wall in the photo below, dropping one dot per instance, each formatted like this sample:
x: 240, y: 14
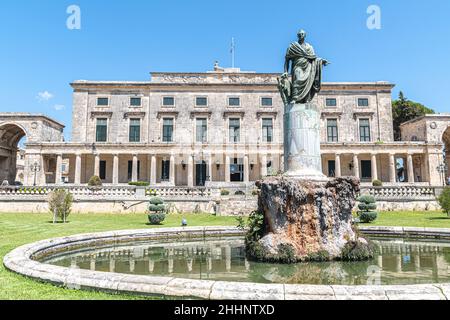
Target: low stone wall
x: 22, y: 261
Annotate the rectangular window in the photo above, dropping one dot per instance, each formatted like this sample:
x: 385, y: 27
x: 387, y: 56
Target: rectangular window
x: 363, y: 102
x: 332, y: 130
x: 364, y: 130
x: 201, y: 101
x: 168, y: 130
x: 168, y: 101
x: 165, y: 170
x: 103, y: 170
x: 130, y: 170
x: 235, y: 130
x: 135, y: 102
x: 331, y: 102
x: 135, y: 130
x: 102, y: 102
x: 102, y: 130
x: 266, y: 102
x: 234, y: 102
x: 202, y: 130
x: 267, y: 128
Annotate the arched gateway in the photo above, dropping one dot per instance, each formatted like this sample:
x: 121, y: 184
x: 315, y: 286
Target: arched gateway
x: 13, y: 128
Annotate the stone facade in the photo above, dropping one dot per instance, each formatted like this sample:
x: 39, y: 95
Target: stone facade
x: 222, y: 128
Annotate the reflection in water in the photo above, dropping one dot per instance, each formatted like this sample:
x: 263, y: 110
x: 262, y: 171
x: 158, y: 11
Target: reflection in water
x: 398, y: 262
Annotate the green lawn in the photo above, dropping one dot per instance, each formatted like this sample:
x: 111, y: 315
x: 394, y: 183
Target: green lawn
x: 412, y: 219
x: 20, y: 229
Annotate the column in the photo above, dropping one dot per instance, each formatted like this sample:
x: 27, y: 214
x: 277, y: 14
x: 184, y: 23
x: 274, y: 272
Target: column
x: 246, y: 169
x: 58, y: 173
x: 43, y: 179
x: 227, y: 169
x: 153, y: 171
x: 115, y: 178
x: 356, y: 166
x: 172, y: 170
x: 263, y: 166
x: 77, y: 179
x: 97, y: 165
x: 190, y: 173
x: 210, y: 168
x: 338, y: 172
x: 134, y: 173
x: 392, y: 169
x: 374, y: 167
x: 410, y: 168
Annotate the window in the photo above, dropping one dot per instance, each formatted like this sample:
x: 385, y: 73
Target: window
x: 331, y: 168
x: 63, y: 168
x: 202, y: 130
x: 135, y: 130
x: 201, y: 101
x: 332, y: 130
x: 168, y: 130
x: 234, y: 102
x: 135, y: 102
x: 266, y: 102
x: 102, y: 130
x: 267, y: 128
x: 363, y: 102
x: 331, y: 102
x: 168, y: 101
x: 364, y: 130
x: 235, y: 128
x: 102, y: 102
x: 103, y: 170
x: 130, y: 170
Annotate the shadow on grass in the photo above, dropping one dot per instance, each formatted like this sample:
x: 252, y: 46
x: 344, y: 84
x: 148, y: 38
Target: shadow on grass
x: 439, y: 218
x: 58, y: 222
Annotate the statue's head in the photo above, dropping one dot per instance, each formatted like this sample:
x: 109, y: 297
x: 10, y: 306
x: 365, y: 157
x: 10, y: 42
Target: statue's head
x: 301, y: 35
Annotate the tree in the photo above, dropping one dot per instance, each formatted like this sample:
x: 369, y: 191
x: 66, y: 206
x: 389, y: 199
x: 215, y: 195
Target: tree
x: 60, y: 204
x: 404, y: 110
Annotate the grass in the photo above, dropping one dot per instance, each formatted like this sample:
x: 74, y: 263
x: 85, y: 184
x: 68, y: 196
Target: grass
x: 20, y: 229
x: 412, y: 219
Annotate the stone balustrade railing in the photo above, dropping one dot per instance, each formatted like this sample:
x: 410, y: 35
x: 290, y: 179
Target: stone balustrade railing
x: 402, y: 193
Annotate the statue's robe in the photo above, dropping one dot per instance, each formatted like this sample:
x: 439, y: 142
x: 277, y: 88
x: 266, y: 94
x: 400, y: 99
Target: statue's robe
x: 306, y: 72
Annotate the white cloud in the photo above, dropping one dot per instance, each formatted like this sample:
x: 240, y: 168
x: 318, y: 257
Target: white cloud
x: 59, y: 107
x: 44, y: 96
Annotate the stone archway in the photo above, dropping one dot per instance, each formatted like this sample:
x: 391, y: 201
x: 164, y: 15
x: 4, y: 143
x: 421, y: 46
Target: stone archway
x: 10, y: 136
x: 446, y: 142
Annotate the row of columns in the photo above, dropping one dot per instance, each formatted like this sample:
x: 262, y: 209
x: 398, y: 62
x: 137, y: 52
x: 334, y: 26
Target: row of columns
x: 392, y: 167
x: 153, y: 163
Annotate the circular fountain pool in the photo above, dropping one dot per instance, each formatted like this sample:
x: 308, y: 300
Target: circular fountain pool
x: 211, y: 263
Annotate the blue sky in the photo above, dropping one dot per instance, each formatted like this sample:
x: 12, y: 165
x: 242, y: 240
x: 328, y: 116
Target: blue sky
x: 125, y: 40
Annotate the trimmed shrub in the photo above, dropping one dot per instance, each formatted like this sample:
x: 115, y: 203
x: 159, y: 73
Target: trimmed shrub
x: 224, y: 192
x: 255, y: 192
x: 377, y: 183
x: 157, y: 211
x: 444, y: 200
x: 366, y: 208
x: 139, y: 184
x: 239, y: 193
x: 95, y: 181
x: 60, y: 204
x: 156, y: 218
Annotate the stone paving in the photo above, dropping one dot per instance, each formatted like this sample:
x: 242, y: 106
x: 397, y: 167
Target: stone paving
x: 22, y: 261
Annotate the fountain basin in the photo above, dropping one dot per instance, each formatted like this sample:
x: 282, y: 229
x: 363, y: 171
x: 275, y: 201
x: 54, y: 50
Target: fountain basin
x: 30, y: 261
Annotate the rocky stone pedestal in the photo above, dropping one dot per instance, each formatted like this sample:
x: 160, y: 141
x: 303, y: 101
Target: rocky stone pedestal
x: 303, y: 221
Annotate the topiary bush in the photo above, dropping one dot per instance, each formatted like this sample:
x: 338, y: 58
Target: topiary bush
x: 224, y: 192
x: 157, y: 211
x: 444, y: 200
x: 95, y: 181
x: 60, y: 204
x: 239, y: 193
x: 366, y: 208
x: 139, y: 184
x: 377, y: 183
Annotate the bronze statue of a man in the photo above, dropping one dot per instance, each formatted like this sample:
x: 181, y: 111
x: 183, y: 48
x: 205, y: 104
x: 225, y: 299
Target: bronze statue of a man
x: 306, y: 72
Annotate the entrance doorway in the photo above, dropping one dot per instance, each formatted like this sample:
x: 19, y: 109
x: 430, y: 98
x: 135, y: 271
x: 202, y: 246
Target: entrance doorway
x: 366, y: 170
x: 200, y: 174
x: 332, y: 168
x: 237, y: 170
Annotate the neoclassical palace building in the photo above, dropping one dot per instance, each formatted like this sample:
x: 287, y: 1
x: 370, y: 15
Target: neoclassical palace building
x: 218, y: 128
